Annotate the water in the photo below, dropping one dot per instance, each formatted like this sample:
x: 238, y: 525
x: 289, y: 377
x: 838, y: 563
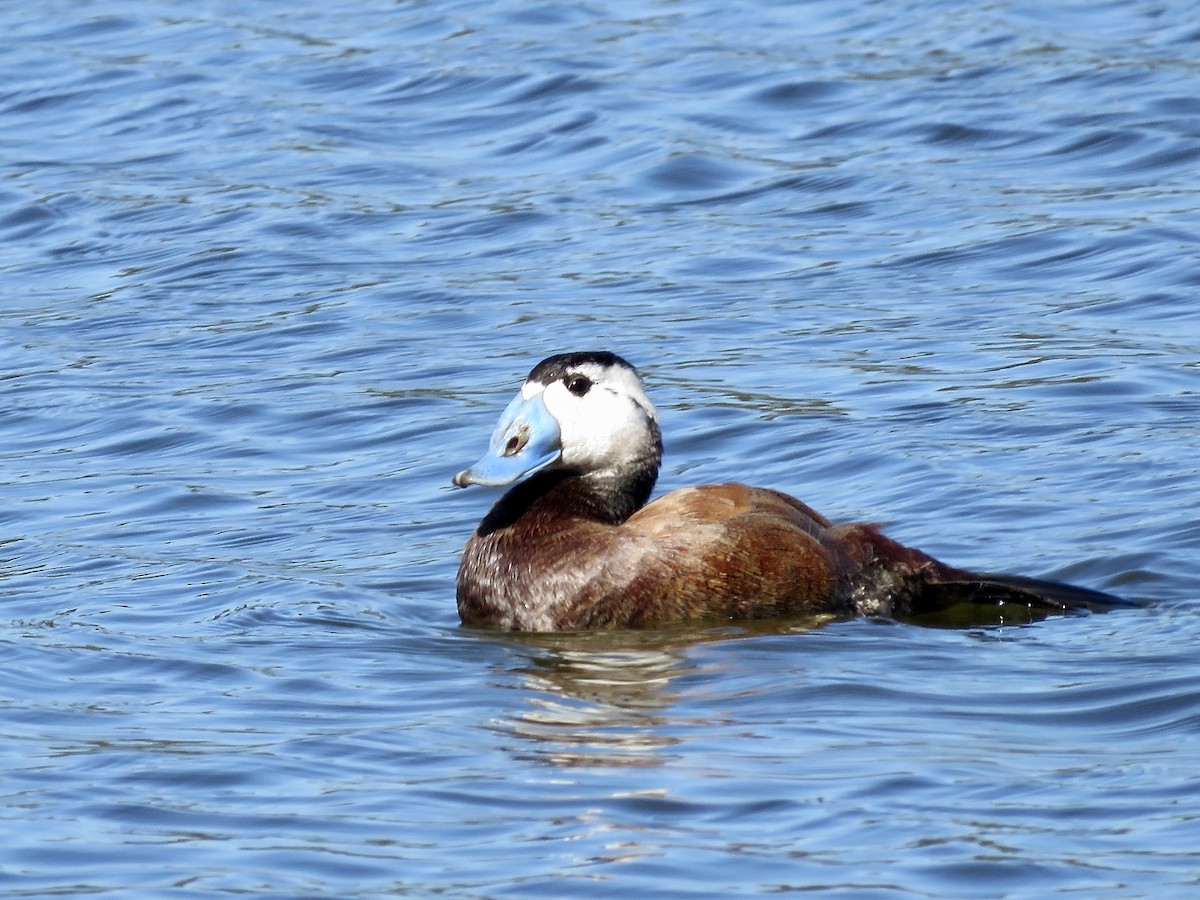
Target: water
x: 271, y: 271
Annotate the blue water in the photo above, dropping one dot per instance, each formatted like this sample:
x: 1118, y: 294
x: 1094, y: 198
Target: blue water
x: 270, y: 271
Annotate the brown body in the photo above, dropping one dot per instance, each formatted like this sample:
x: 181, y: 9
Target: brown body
x: 543, y: 561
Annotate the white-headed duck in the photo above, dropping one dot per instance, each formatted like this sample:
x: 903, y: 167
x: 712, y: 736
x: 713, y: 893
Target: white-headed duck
x: 574, y: 545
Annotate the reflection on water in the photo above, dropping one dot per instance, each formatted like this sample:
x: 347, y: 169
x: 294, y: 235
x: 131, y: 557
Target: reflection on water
x: 601, y: 699
x: 598, y: 699
x: 606, y: 699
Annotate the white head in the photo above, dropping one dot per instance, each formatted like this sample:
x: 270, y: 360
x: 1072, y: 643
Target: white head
x: 585, y: 413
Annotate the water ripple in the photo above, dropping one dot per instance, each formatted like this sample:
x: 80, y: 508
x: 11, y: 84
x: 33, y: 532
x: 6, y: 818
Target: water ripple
x: 271, y: 272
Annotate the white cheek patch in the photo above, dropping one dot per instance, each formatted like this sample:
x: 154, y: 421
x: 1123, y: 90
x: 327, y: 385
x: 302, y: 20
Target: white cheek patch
x: 555, y: 396
x: 604, y: 428
x: 531, y: 389
x: 631, y: 386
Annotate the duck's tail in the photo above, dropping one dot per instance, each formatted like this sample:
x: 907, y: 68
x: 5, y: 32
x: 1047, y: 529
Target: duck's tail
x: 921, y: 588
x: 1010, y: 598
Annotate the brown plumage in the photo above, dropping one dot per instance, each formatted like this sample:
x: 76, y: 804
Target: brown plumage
x: 572, y: 547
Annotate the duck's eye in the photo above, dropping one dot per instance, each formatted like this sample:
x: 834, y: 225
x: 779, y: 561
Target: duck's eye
x: 578, y: 384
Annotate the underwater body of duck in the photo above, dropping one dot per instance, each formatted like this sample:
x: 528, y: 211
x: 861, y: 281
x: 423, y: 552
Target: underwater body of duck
x: 573, y: 545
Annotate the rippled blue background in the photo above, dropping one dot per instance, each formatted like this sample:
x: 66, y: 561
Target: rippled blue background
x: 270, y: 271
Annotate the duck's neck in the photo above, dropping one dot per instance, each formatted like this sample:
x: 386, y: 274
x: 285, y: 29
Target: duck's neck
x: 549, y: 498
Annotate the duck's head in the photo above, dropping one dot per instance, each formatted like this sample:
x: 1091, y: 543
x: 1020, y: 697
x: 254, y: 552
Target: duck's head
x: 582, y: 413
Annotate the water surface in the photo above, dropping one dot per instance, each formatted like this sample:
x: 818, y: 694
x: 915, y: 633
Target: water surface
x: 270, y: 273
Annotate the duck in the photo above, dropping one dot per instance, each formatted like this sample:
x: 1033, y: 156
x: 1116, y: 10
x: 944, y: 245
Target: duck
x: 573, y: 544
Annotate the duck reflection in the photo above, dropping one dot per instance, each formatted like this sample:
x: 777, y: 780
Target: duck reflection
x: 618, y: 698
x: 610, y: 698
